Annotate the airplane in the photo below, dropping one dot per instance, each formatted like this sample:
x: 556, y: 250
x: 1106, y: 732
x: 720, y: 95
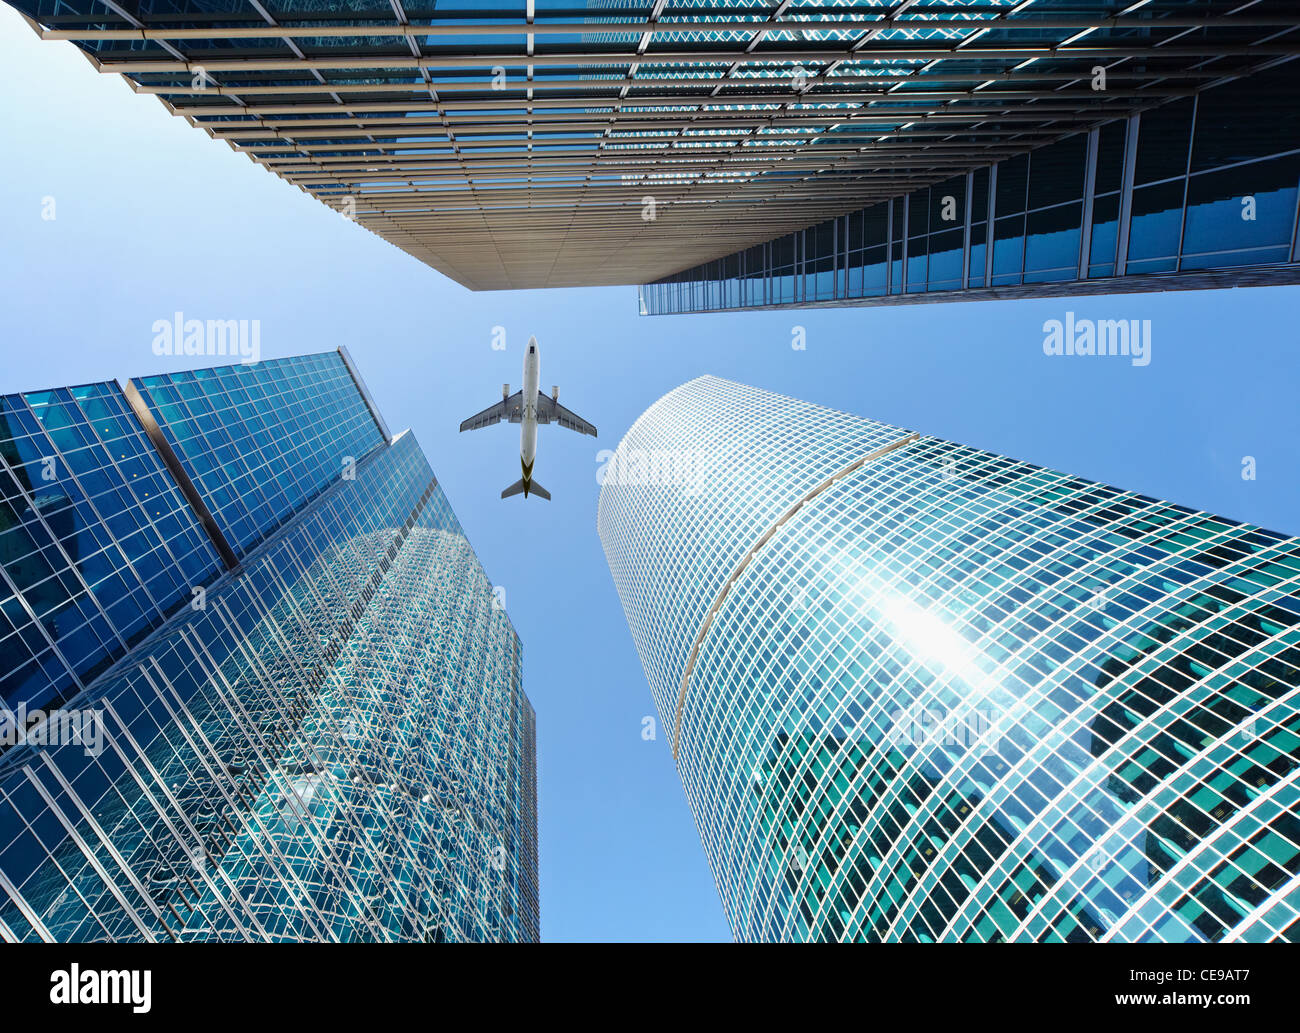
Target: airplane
x: 528, y: 408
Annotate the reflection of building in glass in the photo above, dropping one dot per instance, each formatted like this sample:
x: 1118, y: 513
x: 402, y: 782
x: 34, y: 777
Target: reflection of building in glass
x: 922, y: 692
x: 624, y: 141
x: 320, y: 730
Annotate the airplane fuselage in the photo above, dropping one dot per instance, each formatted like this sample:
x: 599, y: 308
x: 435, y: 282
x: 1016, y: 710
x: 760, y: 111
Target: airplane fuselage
x: 528, y: 424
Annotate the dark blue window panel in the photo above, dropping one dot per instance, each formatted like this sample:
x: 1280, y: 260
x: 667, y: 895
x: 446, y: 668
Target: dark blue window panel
x: 979, y: 200
x: 1052, y: 243
x: 1156, y: 221
x: 1008, y: 250
x: 1056, y: 172
x: 918, y: 214
x: 1215, y: 207
x: 875, y: 225
x: 867, y: 274
x: 1013, y: 182
x: 1247, y: 118
x: 916, y: 269
x: 1164, y: 135
x: 945, y: 260
x: 1105, y: 236
x: 1110, y: 156
x: 978, y: 233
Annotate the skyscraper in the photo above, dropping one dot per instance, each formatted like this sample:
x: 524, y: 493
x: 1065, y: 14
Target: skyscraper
x: 738, y: 154
x: 256, y: 683
x: 918, y: 691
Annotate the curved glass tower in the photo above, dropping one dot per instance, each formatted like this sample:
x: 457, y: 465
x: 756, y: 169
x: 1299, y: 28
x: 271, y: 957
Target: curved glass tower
x: 917, y: 691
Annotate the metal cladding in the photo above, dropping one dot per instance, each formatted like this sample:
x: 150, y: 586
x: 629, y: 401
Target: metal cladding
x: 565, y: 144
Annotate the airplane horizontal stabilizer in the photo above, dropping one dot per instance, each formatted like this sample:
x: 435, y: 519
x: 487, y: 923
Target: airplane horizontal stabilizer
x: 533, y: 489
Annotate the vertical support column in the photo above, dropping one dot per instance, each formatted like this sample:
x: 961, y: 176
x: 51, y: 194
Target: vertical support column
x: 1187, y: 179
x: 988, y: 226
x: 1089, y: 188
x: 965, y: 239
x: 907, y: 221
x: 767, y: 272
x: 889, y: 247
x: 1295, y: 228
x: 1126, y: 193
x: 837, y: 265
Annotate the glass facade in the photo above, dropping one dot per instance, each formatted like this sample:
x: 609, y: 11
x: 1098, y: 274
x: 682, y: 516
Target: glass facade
x: 921, y: 692
x: 549, y: 143
x: 327, y: 740
x: 1209, y: 198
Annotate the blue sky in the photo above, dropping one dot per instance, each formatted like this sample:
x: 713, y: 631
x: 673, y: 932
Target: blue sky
x: 152, y: 217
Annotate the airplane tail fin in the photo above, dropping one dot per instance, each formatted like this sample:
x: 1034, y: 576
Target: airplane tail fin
x: 533, y: 489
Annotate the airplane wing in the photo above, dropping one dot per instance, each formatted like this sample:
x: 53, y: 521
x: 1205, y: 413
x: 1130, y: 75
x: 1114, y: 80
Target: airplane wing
x: 507, y: 409
x: 551, y: 411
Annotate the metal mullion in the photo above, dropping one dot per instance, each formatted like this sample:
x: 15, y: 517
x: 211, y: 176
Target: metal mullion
x: 198, y: 755
x: 166, y: 791
x: 141, y: 507
x: 1187, y: 184
x: 89, y: 855
x: 379, y: 863
x: 92, y: 915
x: 1295, y: 228
x: 962, y: 82
x: 261, y: 843
x: 40, y: 626
x: 1131, y: 140
x: 95, y: 827
x: 268, y: 680
x: 204, y: 877
x: 989, y: 232
x: 73, y: 569
x: 907, y: 224
x: 707, y: 57
x: 886, y: 22
x: 965, y: 240
x: 29, y: 913
x: 1089, y: 188
x: 889, y: 247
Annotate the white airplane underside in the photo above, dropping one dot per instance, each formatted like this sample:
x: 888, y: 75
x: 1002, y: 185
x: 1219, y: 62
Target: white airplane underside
x: 528, y: 408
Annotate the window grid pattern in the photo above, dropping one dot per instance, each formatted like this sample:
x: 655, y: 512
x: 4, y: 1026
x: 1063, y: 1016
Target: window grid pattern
x: 335, y: 747
x: 961, y: 697
x: 261, y: 440
x: 1213, y: 186
x: 98, y: 545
